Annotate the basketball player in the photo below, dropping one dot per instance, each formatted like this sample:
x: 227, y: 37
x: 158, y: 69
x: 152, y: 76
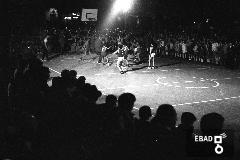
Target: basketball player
x: 151, y: 56
x: 104, y: 54
x: 120, y: 52
x: 46, y: 48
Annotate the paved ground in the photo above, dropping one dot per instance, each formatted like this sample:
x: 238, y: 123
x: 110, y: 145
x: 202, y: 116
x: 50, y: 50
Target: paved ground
x: 198, y: 88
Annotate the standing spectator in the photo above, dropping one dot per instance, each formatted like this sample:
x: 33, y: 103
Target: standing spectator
x: 184, y: 49
x: 98, y: 48
x: 196, y: 52
x: 215, y: 46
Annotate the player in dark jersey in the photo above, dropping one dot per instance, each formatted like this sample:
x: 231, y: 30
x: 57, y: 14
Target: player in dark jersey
x: 104, y: 58
x: 120, y: 52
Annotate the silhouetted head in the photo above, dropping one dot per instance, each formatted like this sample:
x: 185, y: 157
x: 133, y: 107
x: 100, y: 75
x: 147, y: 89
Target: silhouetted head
x: 166, y: 115
x: 145, y: 112
x: 126, y: 101
x: 111, y: 100
x: 211, y: 124
x: 92, y: 93
x: 65, y: 74
x: 81, y: 81
x: 188, y: 118
x: 73, y: 74
x: 56, y: 82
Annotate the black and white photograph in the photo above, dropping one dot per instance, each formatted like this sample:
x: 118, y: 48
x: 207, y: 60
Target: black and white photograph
x: 120, y: 80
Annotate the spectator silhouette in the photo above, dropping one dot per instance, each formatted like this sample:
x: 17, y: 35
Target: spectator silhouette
x: 108, y: 112
x: 80, y: 85
x: 92, y: 93
x: 73, y: 76
x: 81, y: 80
x: 211, y: 124
x: 126, y: 102
x: 187, y: 121
x: 165, y: 140
x: 56, y: 82
x: 111, y: 101
x: 165, y: 118
x: 126, y: 123
x: 125, y: 106
x: 142, y: 126
x: 65, y: 75
x: 186, y: 129
x: 145, y: 113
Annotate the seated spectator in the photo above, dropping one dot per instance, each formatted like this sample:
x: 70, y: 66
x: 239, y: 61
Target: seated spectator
x: 166, y: 143
x: 186, y: 126
x: 111, y: 101
x: 145, y: 113
x: 81, y: 80
x: 125, y: 106
x: 126, y: 102
x: 109, y: 118
x: 186, y: 130
x: 125, y: 143
x: 79, y: 84
x: 73, y: 75
x: 56, y: 82
x: 142, y: 125
x: 165, y: 118
x: 211, y: 124
x: 65, y: 75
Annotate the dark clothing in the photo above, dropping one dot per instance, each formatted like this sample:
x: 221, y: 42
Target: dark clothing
x: 45, y: 54
x: 121, y: 52
x: 98, y: 46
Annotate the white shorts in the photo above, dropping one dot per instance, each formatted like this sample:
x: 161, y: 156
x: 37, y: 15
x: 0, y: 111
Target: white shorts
x: 152, y: 55
x: 120, y: 58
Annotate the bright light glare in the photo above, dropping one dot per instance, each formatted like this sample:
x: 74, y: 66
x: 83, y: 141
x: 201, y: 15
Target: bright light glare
x: 122, y: 6
x: 118, y: 7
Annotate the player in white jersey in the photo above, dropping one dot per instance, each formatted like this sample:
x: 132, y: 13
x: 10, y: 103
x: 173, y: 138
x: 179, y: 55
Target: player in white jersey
x: 46, y: 49
x: 151, y: 56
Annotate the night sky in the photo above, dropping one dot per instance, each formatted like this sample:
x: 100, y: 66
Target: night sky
x: 221, y: 11
x: 194, y: 7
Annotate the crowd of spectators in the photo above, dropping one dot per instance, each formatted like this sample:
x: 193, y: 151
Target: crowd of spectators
x: 214, y: 49
x: 63, y: 121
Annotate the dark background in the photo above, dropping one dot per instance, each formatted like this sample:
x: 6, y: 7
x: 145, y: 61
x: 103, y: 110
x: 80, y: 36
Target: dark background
x: 26, y: 16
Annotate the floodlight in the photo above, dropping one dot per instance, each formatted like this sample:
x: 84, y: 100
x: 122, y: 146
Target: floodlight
x: 118, y: 9
x: 122, y: 6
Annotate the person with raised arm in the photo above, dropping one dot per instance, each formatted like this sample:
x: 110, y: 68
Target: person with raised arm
x: 120, y: 52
